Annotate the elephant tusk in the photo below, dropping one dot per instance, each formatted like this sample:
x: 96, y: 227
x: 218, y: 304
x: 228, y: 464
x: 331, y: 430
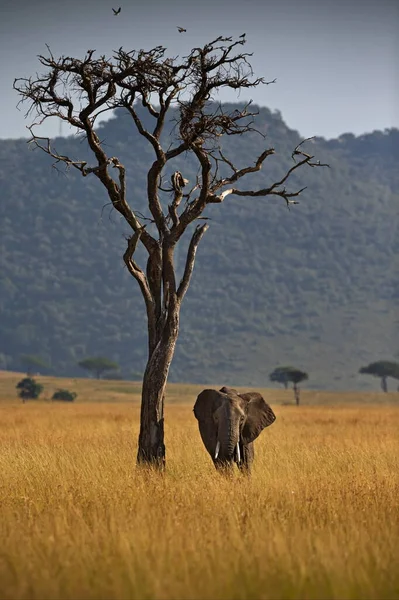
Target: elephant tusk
x: 238, y: 453
x: 217, y: 450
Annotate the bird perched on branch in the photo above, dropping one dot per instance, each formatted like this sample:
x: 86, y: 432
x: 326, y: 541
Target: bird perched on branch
x: 116, y: 12
x: 178, y: 181
x: 181, y: 29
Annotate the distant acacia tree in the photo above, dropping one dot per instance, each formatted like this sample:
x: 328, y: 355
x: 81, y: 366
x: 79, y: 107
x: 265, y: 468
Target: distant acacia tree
x: 286, y: 375
x: 382, y: 369
x: 29, y: 389
x: 280, y: 375
x: 31, y: 363
x: 77, y: 91
x: 98, y: 365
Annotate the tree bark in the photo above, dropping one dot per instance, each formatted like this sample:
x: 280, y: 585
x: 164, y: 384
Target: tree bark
x: 296, y: 394
x: 151, y: 446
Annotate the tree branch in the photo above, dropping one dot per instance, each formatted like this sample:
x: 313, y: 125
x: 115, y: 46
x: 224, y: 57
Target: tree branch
x: 271, y: 190
x: 135, y: 270
x: 190, y: 260
x: 266, y: 192
x: 118, y: 193
x: 238, y: 173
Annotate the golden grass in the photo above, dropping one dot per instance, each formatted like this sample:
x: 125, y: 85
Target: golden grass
x: 317, y: 519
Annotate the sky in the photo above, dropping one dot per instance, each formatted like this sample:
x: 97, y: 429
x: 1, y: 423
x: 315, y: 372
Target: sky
x: 336, y: 61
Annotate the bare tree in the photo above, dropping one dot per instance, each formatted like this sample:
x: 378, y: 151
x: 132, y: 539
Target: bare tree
x: 78, y: 91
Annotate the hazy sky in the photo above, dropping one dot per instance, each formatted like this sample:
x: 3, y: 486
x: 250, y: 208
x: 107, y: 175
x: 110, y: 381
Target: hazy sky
x: 336, y: 61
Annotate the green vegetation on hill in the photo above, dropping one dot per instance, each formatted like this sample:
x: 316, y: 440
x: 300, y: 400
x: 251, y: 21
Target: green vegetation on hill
x: 315, y: 286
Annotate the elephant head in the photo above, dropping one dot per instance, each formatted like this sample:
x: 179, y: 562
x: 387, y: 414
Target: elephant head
x: 229, y: 422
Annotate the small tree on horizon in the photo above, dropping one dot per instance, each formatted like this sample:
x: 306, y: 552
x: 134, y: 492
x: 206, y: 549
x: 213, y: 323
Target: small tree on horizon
x: 382, y: 369
x: 29, y: 389
x: 286, y: 375
x: 166, y: 89
x: 98, y: 365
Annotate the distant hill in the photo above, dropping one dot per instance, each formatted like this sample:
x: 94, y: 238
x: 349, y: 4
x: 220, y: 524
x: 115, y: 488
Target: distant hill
x: 316, y: 286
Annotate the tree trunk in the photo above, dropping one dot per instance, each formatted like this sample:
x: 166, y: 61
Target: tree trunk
x: 296, y: 394
x: 151, y: 446
x: 384, y: 384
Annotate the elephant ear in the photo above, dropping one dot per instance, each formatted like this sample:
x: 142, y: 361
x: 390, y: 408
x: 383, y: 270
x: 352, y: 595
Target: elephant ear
x: 259, y: 416
x: 207, y: 402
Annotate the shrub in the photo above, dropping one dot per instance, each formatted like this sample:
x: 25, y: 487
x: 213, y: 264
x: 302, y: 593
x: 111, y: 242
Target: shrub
x: 64, y: 396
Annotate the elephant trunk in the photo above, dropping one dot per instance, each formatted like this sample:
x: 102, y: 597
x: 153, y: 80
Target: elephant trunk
x: 227, y: 447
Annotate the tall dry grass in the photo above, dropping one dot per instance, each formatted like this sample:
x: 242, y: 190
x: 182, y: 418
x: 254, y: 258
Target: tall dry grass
x: 317, y: 519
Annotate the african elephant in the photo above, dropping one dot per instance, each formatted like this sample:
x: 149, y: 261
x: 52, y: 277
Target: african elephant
x: 229, y: 422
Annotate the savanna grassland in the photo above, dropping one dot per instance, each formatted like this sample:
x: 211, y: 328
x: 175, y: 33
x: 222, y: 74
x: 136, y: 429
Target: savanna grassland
x: 319, y: 517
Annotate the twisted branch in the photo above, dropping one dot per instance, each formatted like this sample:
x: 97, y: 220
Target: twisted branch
x: 188, y: 269
x: 135, y: 270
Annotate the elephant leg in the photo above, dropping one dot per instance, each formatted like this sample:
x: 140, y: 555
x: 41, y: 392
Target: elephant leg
x: 247, y: 457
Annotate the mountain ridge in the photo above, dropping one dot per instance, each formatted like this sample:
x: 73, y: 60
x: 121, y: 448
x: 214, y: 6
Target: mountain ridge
x: 315, y: 286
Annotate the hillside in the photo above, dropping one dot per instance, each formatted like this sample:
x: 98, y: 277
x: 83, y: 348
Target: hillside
x: 315, y: 286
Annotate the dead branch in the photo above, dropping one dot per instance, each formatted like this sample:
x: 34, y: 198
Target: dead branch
x: 272, y: 190
x: 238, y: 173
x: 192, y: 250
x: 135, y: 270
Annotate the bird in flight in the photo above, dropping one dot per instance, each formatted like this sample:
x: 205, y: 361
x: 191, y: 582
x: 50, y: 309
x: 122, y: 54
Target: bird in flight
x: 181, y: 29
x: 116, y: 12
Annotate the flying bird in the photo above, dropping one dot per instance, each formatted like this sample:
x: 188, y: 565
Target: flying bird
x: 116, y: 12
x: 181, y: 29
